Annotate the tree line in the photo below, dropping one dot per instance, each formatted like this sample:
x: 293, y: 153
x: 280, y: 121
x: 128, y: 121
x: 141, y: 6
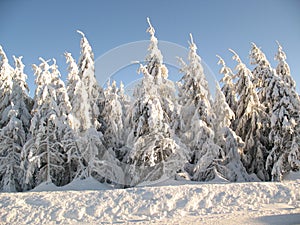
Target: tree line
x: 249, y: 131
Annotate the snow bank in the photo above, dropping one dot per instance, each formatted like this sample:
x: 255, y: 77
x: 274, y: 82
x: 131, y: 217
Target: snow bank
x: 226, y: 203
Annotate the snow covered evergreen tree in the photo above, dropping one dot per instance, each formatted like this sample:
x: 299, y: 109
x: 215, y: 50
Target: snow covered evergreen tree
x: 250, y: 122
x: 14, y: 134
x: 114, y: 118
x: 165, y: 87
x: 51, y: 136
x: 262, y: 75
x: 230, y: 167
x: 228, y: 87
x: 95, y: 96
x: 155, y: 151
x: 285, y: 124
x: 6, y: 73
x: 283, y: 69
x: 87, y: 100
x: 285, y: 121
x: 196, y: 119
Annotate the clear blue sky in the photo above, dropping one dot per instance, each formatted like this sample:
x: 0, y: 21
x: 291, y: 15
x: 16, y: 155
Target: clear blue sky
x: 34, y: 28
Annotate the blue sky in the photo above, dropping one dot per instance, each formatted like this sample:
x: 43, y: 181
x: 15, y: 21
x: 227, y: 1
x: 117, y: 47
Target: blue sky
x: 35, y: 28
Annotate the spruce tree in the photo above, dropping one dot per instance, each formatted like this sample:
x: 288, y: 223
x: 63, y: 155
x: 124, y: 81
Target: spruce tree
x: 228, y: 87
x: 196, y: 126
x: 285, y: 121
x: 14, y: 134
x: 51, y: 136
x: 230, y: 167
x: 155, y: 151
x: 250, y: 122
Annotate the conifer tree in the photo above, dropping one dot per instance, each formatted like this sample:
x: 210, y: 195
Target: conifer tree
x: 230, y: 167
x: 86, y: 73
x: 155, y: 151
x: 285, y: 121
x: 6, y: 73
x: 114, y: 118
x: 196, y: 119
x: 13, y: 135
x: 250, y: 122
x: 51, y: 136
x: 228, y: 87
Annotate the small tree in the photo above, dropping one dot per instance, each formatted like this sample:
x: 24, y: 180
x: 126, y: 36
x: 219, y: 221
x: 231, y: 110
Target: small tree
x: 114, y: 118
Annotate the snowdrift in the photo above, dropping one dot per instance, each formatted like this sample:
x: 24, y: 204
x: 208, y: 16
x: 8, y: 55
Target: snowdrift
x: 166, y: 203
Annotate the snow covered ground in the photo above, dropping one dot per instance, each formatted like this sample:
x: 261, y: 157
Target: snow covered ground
x: 168, y: 202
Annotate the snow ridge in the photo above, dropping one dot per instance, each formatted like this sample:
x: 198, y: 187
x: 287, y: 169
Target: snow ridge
x: 175, y: 203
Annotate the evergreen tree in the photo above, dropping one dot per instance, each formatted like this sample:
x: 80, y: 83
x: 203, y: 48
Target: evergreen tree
x: 13, y: 135
x: 228, y: 87
x: 283, y: 69
x: 6, y: 73
x: 250, y: 122
x: 95, y: 96
x: 230, y: 167
x: 87, y: 100
x: 114, y: 118
x: 51, y: 137
x: 165, y: 87
x: 285, y: 121
x: 196, y: 119
x: 155, y: 151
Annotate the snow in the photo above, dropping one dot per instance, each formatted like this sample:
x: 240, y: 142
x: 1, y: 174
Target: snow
x: 166, y: 202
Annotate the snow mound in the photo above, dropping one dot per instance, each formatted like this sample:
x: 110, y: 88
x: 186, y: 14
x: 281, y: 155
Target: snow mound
x: 198, y: 203
x: 88, y: 184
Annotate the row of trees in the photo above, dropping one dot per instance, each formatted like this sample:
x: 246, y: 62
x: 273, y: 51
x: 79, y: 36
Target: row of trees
x: 249, y: 131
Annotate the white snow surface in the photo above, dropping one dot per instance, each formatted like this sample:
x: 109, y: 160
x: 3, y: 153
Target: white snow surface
x: 166, y: 202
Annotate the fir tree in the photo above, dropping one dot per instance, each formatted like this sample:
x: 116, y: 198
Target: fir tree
x: 196, y: 118
x: 250, y: 122
x: 95, y: 96
x: 285, y: 121
x: 155, y: 151
x: 14, y: 134
x: 228, y: 87
x: 51, y: 140
x: 283, y: 69
x: 114, y: 118
x: 230, y: 167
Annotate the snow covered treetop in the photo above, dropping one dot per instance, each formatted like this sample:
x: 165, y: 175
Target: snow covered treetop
x: 225, y: 69
x: 240, y: 66
x: 257, y: 57
x: 280, y: 56
x: 151, y: 29
x: 3, y: 56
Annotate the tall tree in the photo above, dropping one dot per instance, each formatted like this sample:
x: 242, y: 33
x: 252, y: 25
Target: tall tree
x: 95, y: 96
x: 51, y: 136
x: 6, y: 73
x: 285, y: 121
x: 14, y: 134
x: 155, y: 151
x: 250, y: 122
x: 228, y: 87
x: 196, y: 118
